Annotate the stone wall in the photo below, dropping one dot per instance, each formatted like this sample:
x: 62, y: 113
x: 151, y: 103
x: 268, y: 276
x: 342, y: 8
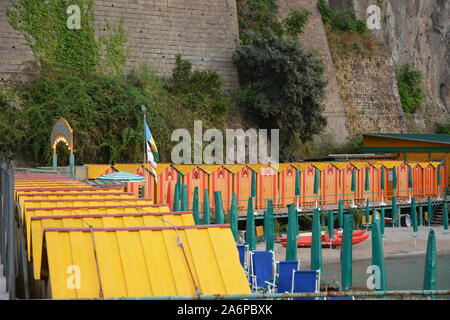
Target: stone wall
x: 203, y: 31
x: 314, y: 38
x: 370, y: 94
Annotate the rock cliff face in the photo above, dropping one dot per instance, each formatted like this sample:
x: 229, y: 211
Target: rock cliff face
x: 314, y: 38
x: 417, y: 32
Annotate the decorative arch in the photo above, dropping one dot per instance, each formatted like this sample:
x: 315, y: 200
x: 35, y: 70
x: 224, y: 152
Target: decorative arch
x: 62, y: 132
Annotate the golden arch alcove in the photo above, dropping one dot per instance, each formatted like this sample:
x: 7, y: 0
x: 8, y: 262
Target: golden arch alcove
x: 62, y: 132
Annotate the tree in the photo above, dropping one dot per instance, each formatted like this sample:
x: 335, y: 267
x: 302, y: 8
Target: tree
x: 283, y: 87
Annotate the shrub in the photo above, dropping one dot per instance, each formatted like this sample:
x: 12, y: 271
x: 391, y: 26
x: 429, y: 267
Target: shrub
x: 199, y: 92
x: 354, y: 145
x: 283, y: 87
x: 296, y: 21
x: 256, y: 15
x: 443, y: 128
x: 104, y: 113
x: 409, y: 87
x: 341, y: 20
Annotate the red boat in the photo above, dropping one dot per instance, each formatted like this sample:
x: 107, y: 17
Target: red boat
x: 337, y: 241
x: 305, y: 240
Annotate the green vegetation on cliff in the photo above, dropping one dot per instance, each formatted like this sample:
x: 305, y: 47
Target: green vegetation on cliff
x: 409, y: 81
x: 341, y: 20
x: 348, y: 36
x: 81, y: 78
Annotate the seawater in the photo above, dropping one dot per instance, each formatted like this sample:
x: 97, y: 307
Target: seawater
x: 403, y: 272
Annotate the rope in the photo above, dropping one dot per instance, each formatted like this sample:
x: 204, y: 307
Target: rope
x: 180, y: 244
x: 100, y: 293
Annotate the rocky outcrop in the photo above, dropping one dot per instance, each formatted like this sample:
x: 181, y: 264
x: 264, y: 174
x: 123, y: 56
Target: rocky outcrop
x: 417, y: 32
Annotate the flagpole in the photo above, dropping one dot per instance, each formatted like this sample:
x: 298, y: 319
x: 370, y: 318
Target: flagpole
x: 144, y: 111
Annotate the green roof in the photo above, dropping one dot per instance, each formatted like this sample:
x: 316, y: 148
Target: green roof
x: 425, y: 137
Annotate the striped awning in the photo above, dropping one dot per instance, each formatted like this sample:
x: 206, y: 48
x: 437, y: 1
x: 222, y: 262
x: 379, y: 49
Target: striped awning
x: 122, y: 176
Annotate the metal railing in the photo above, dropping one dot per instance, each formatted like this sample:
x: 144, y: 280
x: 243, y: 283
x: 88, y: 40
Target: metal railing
x: 323, y: 199
x: 8, y: 244
x: 283, y: 296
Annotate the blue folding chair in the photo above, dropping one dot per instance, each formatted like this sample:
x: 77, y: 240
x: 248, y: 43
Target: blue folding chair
x: 304, y: 281
x: 243, y: 252
x: 262, y: 270
x: 283, y: 276
x: 242, y: 249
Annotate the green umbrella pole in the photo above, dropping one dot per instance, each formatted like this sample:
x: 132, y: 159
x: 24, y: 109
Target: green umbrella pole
x: 265, y: 226
x: 292, y: 234
x: 341, y: 214
x: 316, y: 247
x: 184, y: 199
x: 382, y: 222
x: 270, y: 232
x: 253, y: 186
x: 206, y: 208
x: 234, y: 215
x: 176, y: 198
x: 439, y: 181
x: 430, y: 212
x: 297, y: 185
x: 367, y: 184
x: 250, y: 234
x: 346, y: 252
x: 195, y: 207
x: 378, y: 255
x: 429, y: 279
x: 220, y: 219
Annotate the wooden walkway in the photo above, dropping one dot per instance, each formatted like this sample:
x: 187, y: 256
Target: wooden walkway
x: 361, y: 204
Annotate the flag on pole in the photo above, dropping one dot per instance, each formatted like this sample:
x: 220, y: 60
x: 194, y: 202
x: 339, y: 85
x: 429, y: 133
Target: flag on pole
x: 152, y: 151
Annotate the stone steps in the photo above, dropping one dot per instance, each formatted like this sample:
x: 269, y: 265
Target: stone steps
x: 438, y: 217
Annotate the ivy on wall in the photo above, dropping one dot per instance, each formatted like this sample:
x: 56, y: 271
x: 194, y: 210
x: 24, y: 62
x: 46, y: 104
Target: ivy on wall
x: 44, y: 26
x: 81, y: 77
